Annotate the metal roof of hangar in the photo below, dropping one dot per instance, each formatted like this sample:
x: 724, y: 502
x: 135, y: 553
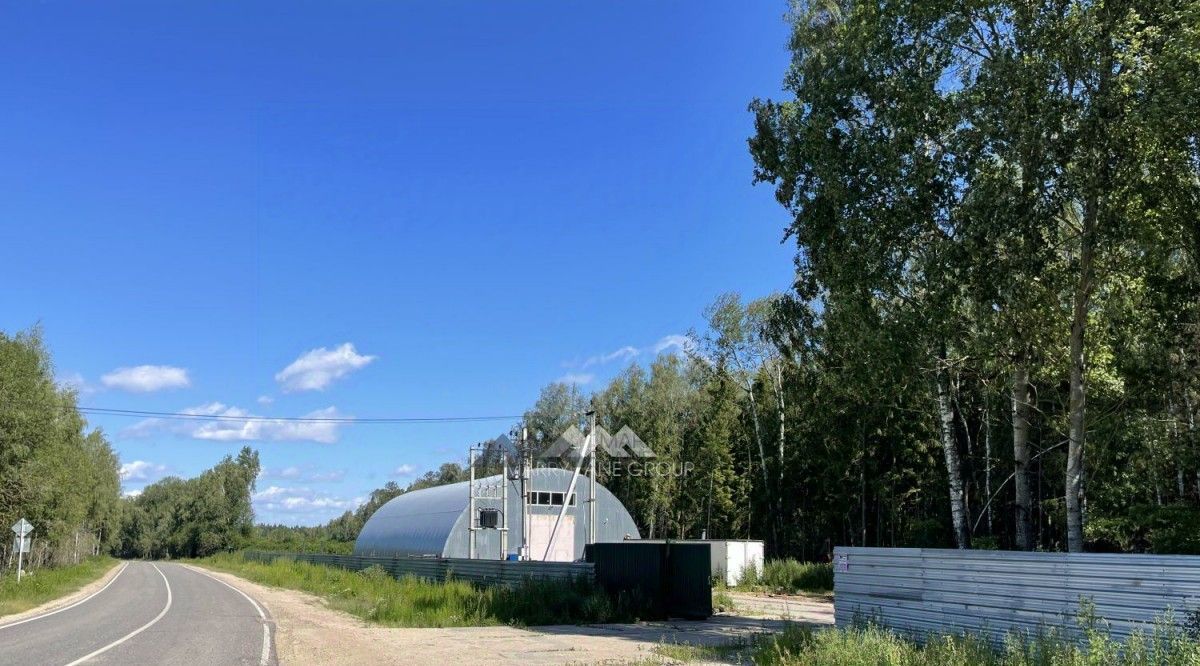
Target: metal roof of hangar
x: 433, y: 521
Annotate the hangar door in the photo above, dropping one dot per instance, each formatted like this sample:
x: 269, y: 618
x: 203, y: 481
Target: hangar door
x: 540, y: 528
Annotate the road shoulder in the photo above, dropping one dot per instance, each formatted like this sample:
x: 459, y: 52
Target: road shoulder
x: 54, y: 604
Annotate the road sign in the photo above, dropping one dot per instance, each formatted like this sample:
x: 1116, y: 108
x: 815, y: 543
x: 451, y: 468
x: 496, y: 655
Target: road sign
x: 22, y: 528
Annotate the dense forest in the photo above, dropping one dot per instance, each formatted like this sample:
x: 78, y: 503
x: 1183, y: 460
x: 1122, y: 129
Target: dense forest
x: 193, y: 517
x: 994, y: 206
x: 53, y: 471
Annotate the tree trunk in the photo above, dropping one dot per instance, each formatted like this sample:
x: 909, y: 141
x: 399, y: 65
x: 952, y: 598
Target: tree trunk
x: 961, y: 414
x: 1077, y: 433
x: 1020, y: 425
x: 779, y: 399
x: 1177, y: 449
x: 1191, y: 416
x: 762, y: 457
x: 987, y: 464
x: 958, y: 505
x: 862, y: 490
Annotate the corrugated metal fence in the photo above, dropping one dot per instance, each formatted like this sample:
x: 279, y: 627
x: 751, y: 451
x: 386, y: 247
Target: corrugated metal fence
x: 489, y: 572
x: 919, y: 591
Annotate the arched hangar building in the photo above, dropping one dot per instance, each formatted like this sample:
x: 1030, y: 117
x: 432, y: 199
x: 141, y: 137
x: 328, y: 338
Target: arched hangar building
x: 436, y: 521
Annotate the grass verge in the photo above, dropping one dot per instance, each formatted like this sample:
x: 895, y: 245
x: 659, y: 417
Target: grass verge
x: 788, y: 577
x: 869, y: 645
x: 47, y: 584
x: 375, y: 596
x: 1165, y: 645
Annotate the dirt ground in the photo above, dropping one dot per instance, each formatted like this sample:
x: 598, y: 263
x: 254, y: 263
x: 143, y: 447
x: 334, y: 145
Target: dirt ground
x: 308, y: 632
x: 814, y: 610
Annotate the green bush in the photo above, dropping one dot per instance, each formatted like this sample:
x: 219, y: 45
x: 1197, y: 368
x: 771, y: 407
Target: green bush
x: 536, y: 602
x: 1173, y: 529
x: 749, y: 577
x: 721, y: 600
x: 788, y: 576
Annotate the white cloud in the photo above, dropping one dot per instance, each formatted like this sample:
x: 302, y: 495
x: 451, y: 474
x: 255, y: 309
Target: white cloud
x: 680, y: 342
x: 578, y: 378
x: 146, y: 378
x: 75, y: 381
x: 623, y: 354
x: 292, y: 472
x: 305, y: 473
x: 265, y: 400
x: 404, y: 470
x: 237, y: 424
x: 667, y: 343
x: 299, y: 505
x: 141, y: 470
x: 269, y: 493
x: 318, y: 368
x: 132, y: 493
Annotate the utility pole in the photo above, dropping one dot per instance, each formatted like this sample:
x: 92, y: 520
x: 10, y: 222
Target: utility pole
x: 471, y: 511
x: 504, y: 506
x: 526, y: 477
x: 592, y: 492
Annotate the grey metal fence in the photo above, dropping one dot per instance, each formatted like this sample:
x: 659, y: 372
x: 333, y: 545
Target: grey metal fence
x: 489, y: 572
x: 919, y: 591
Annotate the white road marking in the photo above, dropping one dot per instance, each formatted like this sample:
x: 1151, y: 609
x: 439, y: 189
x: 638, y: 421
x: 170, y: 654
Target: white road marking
x: 64, y: 608
x: 135, y: 632
x: 266, y: 645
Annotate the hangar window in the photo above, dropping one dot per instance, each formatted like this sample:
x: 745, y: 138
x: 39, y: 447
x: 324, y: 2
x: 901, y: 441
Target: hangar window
x: 543, y: 498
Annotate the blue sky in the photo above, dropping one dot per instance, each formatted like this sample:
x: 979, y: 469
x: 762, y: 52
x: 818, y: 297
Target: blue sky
x: 420, y: 208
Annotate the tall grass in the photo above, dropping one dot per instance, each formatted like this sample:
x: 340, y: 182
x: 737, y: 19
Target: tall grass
x: 374, y: 595
x: 870, y: 645
x: 48, y: 583
x: 788, y: 576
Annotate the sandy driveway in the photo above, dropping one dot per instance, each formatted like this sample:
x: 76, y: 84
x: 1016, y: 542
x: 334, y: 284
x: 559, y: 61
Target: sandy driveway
x: 812, y: 610
x: 307, y: 632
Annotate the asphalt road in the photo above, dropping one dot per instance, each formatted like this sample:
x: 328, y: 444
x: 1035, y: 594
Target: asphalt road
x: 150, y: 613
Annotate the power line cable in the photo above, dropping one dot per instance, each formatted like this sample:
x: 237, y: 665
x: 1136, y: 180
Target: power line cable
x: 186, y: 416
x: 193, y: 416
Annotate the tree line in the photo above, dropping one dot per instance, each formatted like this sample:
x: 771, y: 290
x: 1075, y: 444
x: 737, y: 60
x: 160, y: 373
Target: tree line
x: 194, y: 517
x: 994, y: 206
x: 338, y: 535
x: 993, y: 337
x: 54, y: 472
x: 65, y: 479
